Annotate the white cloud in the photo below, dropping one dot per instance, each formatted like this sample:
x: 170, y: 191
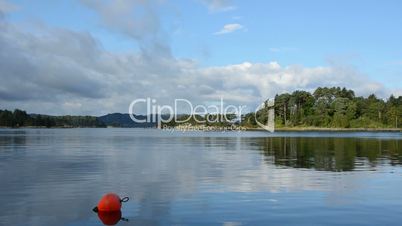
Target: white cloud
x: 59, y: 71
x: 65, y: 72
x: 137, y: 19
x: 219, y: 5
x: 229, y: 28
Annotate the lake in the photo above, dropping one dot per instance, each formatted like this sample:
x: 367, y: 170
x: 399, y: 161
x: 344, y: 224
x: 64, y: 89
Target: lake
x: 56, y: 177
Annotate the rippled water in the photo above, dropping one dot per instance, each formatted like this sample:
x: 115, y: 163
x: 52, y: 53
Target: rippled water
x: 56, y: 177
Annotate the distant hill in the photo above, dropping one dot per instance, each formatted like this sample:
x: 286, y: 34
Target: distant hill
x: 124, y: 120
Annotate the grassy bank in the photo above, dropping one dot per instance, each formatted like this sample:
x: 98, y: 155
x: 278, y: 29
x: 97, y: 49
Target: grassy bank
x: 331, y: 129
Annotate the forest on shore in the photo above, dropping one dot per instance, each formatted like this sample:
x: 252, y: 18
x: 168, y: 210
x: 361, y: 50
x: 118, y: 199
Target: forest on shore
x: 324, y: 108
x: 19, y: 118
x: 331, y: 108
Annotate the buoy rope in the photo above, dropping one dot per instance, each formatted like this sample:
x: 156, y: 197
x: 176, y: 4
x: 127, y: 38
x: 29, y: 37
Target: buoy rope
x: 124, y: 219
x: 125, y: 199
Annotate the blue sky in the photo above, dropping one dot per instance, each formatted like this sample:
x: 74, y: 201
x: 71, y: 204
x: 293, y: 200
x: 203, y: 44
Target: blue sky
x: 363, y: 36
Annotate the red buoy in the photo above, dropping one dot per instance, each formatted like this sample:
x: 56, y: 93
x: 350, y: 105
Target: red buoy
x: 110, y: 203
x: 110, y: 218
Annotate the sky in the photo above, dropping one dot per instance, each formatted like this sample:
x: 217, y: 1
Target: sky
x: 96, y: 56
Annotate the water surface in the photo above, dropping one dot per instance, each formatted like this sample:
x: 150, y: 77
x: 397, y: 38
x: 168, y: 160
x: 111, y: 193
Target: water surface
x: 56, y: 176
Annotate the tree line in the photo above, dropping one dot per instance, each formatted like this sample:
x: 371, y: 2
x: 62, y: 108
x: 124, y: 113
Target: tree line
x: 331, y: 108
x: 19, y: 118
x: 326, y: 107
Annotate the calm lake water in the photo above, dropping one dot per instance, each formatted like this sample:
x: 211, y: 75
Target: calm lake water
x: 56, y: 177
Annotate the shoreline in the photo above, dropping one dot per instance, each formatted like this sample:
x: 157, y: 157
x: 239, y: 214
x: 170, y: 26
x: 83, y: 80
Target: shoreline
x: 323, y: 129
x: 282, y: 129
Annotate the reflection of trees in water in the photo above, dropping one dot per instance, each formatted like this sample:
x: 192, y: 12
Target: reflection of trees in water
x: 331, y: 154
x: 9, y: 141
